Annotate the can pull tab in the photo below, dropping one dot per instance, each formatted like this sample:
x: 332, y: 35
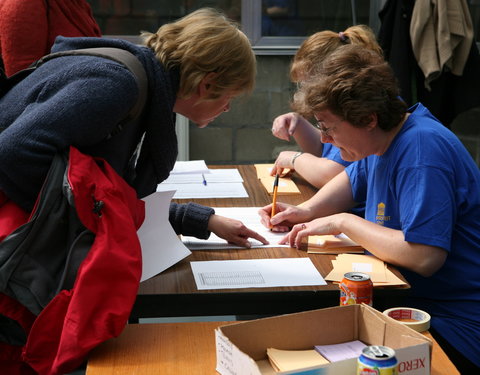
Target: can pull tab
x: 377, y: 352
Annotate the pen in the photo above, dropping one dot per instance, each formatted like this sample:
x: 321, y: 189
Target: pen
x: 204, y: 181
x: 274, y: 201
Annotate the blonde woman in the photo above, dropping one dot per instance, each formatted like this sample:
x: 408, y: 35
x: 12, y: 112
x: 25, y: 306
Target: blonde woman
x: 195, y: 67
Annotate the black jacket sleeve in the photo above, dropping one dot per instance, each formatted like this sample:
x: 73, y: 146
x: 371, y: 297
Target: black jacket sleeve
x: 190, y: 219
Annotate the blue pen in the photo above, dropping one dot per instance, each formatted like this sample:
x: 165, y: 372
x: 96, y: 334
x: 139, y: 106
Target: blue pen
x: 204, y: 181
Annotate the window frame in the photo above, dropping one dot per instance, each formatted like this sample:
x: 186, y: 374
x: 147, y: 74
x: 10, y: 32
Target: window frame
x: 251, y: 22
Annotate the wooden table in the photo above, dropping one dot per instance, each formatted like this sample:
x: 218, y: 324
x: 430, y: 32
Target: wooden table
x: 174, y: 292
x: 183, y: 348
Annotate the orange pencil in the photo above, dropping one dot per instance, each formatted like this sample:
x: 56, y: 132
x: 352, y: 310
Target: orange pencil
x: 274, y: 201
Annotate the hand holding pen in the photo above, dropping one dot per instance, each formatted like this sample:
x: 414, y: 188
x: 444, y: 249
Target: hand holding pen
x: 274, y: 201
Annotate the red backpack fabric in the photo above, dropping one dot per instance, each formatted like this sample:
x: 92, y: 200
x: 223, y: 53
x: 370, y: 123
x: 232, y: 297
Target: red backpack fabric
x: 99, y: 304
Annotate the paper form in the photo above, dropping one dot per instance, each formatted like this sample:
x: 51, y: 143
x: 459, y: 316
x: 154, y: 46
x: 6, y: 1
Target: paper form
x: 255, y: 273
x: 192, y: 166
x: 161, y: 247
x: 248, y: 216
x: 219, y: 183
x: 210, y: 190
x: 339, y: 352
x: 213, y: 176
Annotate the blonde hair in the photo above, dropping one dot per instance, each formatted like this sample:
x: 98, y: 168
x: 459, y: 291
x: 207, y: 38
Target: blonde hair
x: 321, y: 44
x: 202, y: 42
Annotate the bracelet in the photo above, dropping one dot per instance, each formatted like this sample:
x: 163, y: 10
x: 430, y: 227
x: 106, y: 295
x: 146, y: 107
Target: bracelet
x: 294, y: 158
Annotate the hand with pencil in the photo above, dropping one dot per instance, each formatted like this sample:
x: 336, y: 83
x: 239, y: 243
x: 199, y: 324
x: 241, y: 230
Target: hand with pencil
x: 272, y: 216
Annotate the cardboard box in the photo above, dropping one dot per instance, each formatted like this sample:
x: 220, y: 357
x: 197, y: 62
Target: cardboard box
x: 241, y: 347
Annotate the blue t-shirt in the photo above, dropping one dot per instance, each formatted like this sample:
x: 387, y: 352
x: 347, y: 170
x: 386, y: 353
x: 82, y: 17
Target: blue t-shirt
x: 331, y: 152
x: 428, y: 186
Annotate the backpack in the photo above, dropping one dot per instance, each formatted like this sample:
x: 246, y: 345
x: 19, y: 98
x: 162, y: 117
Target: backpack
x: 116, y: 54
x: 40, y: 259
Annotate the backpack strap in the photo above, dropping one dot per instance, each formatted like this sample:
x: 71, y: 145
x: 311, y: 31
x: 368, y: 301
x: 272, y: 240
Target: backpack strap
x: 124, y: 57
x: 121, y: 56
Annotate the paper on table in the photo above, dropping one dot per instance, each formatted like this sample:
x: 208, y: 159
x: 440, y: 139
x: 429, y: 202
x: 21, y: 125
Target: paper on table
x: 248, y: 216
x: 211, y: 190
x: 192, y: 166
x: 255, y: 273
x: 286, y: 186
x: 214, y: 176
x: 330, y: 244
x: 376, y: 268
x: 264, y: 170
x: 161, y: 247
x: 358, y: 263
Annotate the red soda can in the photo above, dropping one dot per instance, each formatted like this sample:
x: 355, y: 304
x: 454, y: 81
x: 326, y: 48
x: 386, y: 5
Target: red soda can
x: 356, y: 288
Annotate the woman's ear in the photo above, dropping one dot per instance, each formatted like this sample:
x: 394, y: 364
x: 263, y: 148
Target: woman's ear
x: 206, y: 84
x: 373, y: 121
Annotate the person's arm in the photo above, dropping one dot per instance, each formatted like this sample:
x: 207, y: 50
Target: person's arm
x: 315, y: 170
x: 23, y: 33
x: 192, y: 219
x: 334, y: 197
x: 293, y: 125
x: 385, y: 243
x: 325, y: 213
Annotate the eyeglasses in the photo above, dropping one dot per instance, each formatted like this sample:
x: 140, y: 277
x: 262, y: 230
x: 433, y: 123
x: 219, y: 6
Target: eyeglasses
x: 320, y: 125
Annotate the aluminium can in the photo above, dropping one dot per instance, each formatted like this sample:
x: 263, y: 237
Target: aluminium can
x: 356, y: 288
x: 377, y: 360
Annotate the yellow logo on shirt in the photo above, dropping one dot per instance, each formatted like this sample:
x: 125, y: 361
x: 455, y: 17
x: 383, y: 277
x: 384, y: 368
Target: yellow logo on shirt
x: 381, y: 218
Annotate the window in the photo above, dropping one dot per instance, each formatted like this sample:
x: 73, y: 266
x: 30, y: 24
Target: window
x: 273, y: 26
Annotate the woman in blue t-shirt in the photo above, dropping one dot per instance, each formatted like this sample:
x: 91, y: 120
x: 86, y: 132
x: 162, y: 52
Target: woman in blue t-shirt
x: 420, y: 185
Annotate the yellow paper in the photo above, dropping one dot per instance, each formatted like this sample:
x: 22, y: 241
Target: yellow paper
x: 329, y: 244
x: 288, y: 360
x: 380, y: 274
x: 285, y: 185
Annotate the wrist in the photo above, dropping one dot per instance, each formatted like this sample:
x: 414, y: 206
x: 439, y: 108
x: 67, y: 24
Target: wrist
x: 294, y: 157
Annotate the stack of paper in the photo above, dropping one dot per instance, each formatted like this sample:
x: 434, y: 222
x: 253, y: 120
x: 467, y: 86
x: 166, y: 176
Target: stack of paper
x: 285, y: 184
x: 339, y: 352
x: 376, y: 268
x: 290, y: 360
x: 192, y: 179
x: 330, y: 244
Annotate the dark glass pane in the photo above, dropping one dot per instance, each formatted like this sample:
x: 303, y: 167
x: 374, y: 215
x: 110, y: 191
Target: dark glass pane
x: 130, y: 17
x: 305, y: 17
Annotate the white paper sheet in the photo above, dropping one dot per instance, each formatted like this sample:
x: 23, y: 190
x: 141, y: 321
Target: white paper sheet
x: 339, y: 352
x: 255, y: 273
x: 248, y: 216
x: 196, y: 183
x: 161, y: 247
x: 192, y: 166
x: 215, y: 176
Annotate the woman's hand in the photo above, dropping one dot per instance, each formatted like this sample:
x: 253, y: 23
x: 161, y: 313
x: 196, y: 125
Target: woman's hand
x: 234, y: 231
x: 284, y: 161
x: 323, y: 225
x: 285, y: 125
x: 285, y: 217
